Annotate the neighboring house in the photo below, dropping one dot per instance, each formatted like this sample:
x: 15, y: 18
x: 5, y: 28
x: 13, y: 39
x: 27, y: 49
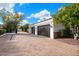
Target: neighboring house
x: 1, y: 26
x: 45, y: 28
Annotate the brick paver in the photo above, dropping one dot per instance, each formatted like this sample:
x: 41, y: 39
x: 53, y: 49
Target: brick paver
x: 25, y: 44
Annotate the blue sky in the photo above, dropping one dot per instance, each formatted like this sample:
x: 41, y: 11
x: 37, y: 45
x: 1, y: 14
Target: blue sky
x: 35, y: 12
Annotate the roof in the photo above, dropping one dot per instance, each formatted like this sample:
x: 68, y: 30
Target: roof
x: 42, y: 21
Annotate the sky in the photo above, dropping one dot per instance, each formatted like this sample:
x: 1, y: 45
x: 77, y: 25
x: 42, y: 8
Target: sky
x: 33, y: 12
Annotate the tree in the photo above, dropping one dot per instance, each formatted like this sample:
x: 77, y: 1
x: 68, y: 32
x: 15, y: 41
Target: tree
x: 11, y: 20
x: 69, y: 16
x: 25, y: 27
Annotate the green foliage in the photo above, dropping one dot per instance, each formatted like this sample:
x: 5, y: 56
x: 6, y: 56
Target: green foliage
x: 67, y: 15
x: 65, y: 32
x: 2, y: 31
x: 25, y: 27
x: 11, y: 26
x: 11, y: 20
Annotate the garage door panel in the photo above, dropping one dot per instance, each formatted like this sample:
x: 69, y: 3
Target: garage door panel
x: 33, y: 30
x: 44, y: 30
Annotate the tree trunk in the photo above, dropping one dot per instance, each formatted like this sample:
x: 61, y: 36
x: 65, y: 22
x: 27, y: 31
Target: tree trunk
x: 16, y: 31
x: 76, y: 36
x: 76, y: 32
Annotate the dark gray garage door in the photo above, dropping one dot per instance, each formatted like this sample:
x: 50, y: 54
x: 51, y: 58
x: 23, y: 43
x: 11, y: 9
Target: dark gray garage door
x: 33, y: 30
x: 44, y: 30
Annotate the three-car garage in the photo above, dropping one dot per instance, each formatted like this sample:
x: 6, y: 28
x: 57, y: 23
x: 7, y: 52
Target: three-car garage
x: 44, y: 28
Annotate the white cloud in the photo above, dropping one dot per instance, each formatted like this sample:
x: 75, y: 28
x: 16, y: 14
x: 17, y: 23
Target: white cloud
x: 7, y: 6
x: 1, y: 23
x: 20, y: 4
x: 23, y: 22
x: 44, y: 14
x: 39, y: 20
x: 20, y: 13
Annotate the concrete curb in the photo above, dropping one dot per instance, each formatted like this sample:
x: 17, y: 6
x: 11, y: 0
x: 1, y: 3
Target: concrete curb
x: 2, y: 35
x: 5, y: 34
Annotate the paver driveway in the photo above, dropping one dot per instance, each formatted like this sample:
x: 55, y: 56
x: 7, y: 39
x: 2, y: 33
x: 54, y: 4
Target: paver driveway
x: 24, y: 44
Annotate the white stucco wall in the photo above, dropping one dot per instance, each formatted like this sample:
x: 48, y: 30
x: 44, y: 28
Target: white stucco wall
x: 29, y: 30
x: 36, y: 30
x: 51, y: 30
x: 42, y: 23
x: 58, y: 27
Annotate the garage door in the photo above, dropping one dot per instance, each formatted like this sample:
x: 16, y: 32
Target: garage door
x: 44, y: 30
x: 33, y: 30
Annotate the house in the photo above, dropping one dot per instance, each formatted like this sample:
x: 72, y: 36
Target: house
x: 45, y: 28
x: 1, y: 26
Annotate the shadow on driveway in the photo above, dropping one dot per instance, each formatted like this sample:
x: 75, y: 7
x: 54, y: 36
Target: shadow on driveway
x: 69, y: 41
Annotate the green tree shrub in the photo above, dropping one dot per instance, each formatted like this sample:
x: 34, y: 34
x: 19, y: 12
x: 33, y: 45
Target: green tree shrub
x: 2, y: 31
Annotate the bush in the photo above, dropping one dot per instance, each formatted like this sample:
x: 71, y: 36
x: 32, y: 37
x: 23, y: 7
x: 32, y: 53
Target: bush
x: 25, y: 27
x: 65, y: 33
x: 2, y: 31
